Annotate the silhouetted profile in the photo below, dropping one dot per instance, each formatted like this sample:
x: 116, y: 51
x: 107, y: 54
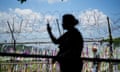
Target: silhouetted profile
x: 70, y: 44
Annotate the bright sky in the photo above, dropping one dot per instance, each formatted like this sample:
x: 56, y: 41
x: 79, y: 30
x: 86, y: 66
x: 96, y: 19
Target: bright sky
x: 33, y: 15
x: 106, y: 6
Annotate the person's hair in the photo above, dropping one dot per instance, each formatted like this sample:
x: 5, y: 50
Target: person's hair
x: 70, y: 19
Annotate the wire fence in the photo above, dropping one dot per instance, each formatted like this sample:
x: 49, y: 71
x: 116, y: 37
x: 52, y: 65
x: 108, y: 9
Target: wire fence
x: 26, y: 37
x: 32, y: 27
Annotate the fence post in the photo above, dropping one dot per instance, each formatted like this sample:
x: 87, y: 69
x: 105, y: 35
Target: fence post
x: 110, y: 44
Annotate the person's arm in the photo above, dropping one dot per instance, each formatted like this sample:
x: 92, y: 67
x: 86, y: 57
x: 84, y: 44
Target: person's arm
x: 51, y: 35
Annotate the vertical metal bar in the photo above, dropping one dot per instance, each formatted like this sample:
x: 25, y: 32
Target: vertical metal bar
x: 110, y: 44
x: 14, y: 41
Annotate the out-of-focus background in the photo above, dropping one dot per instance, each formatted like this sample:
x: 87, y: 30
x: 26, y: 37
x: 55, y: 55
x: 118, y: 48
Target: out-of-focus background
x: 23, y: 31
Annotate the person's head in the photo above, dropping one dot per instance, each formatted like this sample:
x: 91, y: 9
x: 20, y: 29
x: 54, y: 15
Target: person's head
x: 69, y: 21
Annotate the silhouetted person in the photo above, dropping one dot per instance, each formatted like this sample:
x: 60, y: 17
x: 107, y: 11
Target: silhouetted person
x: 70, y: 44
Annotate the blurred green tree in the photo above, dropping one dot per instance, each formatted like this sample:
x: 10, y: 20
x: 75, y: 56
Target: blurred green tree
x: 22, y: 1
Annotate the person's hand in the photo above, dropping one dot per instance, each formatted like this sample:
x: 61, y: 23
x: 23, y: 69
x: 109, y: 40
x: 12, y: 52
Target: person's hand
x: 48, y: 28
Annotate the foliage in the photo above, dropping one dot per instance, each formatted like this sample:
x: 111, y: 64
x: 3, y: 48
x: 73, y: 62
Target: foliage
x: 118, y: 66
x: 116, y: 41
x: 22, y: 1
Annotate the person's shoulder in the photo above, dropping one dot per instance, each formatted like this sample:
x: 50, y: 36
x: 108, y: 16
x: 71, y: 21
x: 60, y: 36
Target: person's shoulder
x: 77, y: 32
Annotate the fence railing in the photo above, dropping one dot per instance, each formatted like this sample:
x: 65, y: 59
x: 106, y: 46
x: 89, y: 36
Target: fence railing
x: 47, y: 56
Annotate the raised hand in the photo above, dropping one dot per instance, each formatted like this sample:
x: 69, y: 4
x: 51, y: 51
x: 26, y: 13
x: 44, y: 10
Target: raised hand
x: 48, y: 28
